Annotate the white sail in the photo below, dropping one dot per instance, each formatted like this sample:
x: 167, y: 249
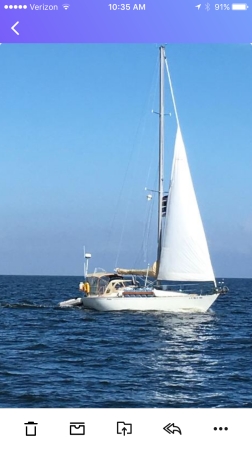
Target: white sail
x: 184, y: 254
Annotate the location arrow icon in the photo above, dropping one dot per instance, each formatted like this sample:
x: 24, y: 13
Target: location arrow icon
x: 13, y: 28
x: 198, y: 6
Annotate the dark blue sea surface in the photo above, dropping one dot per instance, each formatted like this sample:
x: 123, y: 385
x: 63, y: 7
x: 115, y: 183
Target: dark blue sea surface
x: 72, y: 357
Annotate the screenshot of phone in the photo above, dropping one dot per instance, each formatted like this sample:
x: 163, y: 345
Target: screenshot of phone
x: 125, y: 224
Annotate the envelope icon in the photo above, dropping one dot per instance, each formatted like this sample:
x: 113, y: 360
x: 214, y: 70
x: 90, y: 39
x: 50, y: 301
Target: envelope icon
x: 77, y: 428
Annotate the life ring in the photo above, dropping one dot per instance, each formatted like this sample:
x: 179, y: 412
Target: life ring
x: 87, y: 288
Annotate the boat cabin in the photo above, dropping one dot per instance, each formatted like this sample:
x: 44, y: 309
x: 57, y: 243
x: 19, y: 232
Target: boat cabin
x: 107, y: 283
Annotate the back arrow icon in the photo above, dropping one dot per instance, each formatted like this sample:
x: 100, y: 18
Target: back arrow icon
x: 13, y: 28
x: 198, y: 6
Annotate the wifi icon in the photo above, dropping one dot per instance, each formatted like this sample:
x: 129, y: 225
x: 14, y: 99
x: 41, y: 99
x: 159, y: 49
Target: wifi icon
x: 65, y: 6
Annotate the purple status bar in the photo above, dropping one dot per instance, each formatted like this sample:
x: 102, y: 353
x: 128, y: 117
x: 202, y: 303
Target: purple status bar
x: 97, y: 21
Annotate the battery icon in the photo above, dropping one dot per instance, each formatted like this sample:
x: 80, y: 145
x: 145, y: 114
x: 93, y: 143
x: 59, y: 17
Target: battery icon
x: 239, y: 6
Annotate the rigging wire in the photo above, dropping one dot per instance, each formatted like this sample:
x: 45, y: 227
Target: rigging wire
x: 132, y: 175
x: 143, y: 250
x: 143, y: 253
x: 111, y: 228
x: 146, y: 234
x: 172, y: 93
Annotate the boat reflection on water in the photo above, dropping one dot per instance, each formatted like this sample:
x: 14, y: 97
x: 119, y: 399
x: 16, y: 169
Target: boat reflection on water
x: 186, y: 357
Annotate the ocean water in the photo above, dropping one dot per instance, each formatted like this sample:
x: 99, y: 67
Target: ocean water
x: 71, y: 357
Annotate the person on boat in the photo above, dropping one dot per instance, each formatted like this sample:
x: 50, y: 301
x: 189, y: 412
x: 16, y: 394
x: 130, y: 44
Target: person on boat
x: 118, y: 285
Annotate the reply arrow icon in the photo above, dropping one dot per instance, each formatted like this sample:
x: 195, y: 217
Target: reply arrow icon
x: 13, y: 28
x: 171, y: 428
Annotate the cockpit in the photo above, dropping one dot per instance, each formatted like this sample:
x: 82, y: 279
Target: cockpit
x: 104, y: 283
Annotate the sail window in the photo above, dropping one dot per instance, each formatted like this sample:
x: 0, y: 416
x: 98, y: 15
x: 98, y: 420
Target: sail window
x: 164, y: 205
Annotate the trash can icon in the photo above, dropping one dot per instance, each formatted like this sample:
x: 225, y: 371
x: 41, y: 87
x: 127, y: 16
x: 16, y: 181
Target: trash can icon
x: 30, y: 428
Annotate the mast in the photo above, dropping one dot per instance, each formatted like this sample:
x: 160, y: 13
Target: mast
x: 161, y: 152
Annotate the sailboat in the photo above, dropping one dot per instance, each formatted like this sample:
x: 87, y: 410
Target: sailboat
x: 182, y: 250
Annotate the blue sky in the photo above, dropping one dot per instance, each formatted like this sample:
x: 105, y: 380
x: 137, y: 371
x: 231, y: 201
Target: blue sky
x: 78, y: 145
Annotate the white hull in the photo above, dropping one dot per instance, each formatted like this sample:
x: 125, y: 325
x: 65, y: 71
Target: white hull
x: 168, y: 302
